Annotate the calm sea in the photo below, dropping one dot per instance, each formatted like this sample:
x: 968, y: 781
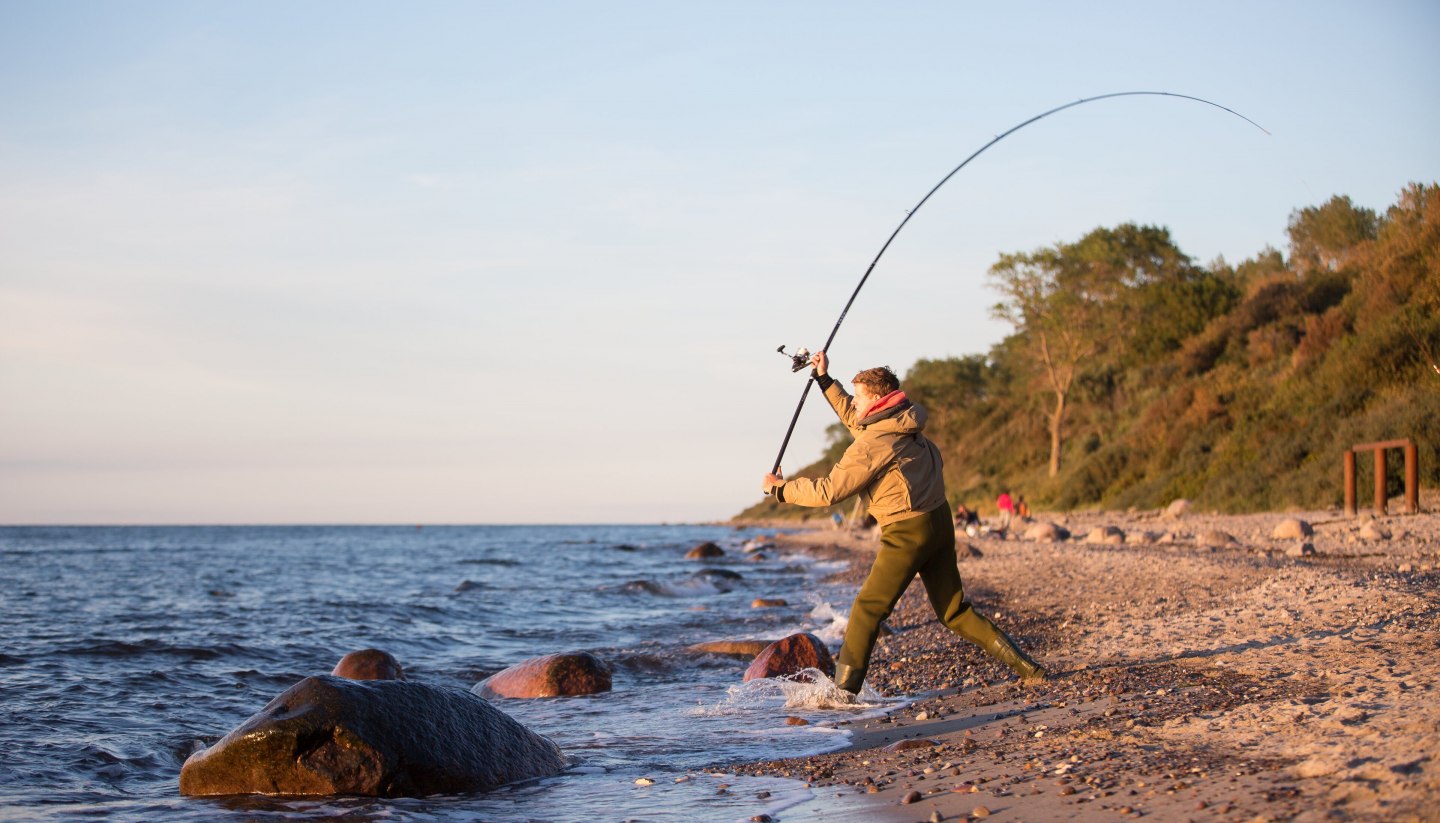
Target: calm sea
x: 123, y: 650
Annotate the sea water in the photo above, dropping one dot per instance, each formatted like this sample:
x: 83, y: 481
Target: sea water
x: 125, y: 649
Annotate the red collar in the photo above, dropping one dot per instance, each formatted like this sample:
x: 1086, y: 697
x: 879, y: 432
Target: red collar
x: 885, y: 403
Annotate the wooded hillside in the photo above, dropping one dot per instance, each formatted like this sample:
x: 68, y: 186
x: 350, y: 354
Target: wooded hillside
x: 1135, y: 376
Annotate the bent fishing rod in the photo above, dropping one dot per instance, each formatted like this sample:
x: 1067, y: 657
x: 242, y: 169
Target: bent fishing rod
x: 801, y: 358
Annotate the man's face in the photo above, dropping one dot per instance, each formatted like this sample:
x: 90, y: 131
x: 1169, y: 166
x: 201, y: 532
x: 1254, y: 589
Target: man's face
x: 863, y: 399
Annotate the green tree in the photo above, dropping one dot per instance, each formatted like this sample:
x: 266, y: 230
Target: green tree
x: 1324, y: 237
x: 1072, y: 302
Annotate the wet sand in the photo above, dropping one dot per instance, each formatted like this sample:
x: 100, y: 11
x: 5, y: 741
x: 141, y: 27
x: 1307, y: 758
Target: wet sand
x: 1193, y: 678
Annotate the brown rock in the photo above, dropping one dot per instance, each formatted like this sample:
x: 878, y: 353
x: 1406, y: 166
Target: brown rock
x: 911, y: 797
x: 1108, y: 535
x: 382, y: 738
x: 369, y: 664
x: 916, y: 743
x: 705, y: 551
x: 791, y: 655
x: 767, y: 603
x: 1292, y: 528
x: 1215, y: 537
x: 731, y: 648
x: 1371, y: 531
x: 1047, y: 532
x: 796, y: 721
x: 552, y: 675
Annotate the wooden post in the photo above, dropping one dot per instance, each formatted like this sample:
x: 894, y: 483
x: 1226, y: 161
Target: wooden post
x: 1412, y: 477
x: 1349, y: 483
x: 1381, y: 499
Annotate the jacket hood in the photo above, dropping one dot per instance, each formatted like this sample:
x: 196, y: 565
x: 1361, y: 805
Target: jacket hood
x: 906, y: 418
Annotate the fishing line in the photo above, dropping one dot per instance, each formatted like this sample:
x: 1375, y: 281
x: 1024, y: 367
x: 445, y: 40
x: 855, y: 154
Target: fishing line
x: 800, y: 359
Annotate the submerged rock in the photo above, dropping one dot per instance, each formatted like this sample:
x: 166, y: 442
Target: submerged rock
x: 551, y: 675
x: 383, y: 738
x: 791, y: 655
x: 731, y: 648
x: 369, y: 664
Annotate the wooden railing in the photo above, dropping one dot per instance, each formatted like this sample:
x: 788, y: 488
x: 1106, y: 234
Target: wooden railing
x: 1412, y: 475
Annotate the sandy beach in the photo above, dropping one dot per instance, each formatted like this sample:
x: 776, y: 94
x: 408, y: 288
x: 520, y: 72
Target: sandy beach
x: 1202, y: 669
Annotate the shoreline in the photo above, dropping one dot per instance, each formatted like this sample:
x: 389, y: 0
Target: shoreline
x: 1202, y: 669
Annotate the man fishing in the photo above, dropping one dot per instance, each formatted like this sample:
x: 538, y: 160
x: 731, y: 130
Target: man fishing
x: 898, y: 474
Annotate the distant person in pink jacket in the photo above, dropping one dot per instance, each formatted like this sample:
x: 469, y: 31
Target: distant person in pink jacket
x: 1007, y: 510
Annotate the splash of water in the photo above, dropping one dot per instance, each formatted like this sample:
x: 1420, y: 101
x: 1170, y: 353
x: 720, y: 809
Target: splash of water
x: 832, y: 620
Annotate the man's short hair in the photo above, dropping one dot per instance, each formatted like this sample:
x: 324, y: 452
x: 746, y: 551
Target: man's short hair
x: 879, y: 381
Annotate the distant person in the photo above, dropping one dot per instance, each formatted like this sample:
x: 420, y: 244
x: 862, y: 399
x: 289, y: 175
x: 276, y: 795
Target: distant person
x: 1007, y: 510
x: 898, y: 472
x: 1022, y: 509
x: 967, y: 520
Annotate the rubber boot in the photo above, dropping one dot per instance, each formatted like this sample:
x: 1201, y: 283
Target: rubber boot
x: 849, y: 678
x: 978, y: 628
x: 1002, y: 648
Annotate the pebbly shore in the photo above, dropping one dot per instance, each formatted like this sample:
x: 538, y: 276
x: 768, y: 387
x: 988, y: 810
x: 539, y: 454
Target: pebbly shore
x: 1203, y: 668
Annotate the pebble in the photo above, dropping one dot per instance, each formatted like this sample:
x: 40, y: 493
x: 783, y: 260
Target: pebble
x: 936, y: 817
x: 979, y: 812
x: 761, y: 818
x: 796, y: 721
x: 911, y: 797
x: 644, y: 781
x: 1067, y: 791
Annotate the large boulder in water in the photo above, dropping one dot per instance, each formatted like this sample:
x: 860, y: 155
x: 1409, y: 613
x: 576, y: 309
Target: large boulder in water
x: 381, y: 738
x: 552, y: 675
x: 705, y: 551
x: 791, y: 655
x: 369, y: 664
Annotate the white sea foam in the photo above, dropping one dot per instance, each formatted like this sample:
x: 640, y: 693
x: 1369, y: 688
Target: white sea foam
x: 832, y: 622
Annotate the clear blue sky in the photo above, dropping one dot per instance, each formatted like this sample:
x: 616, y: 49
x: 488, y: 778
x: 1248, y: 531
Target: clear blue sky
x: 529, y: 262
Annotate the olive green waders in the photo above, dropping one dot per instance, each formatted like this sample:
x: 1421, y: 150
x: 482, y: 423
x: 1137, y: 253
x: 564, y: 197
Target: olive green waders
x: 923, y: 545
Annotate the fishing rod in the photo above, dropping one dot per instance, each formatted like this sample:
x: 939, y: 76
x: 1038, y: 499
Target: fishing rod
x: 801, y: 358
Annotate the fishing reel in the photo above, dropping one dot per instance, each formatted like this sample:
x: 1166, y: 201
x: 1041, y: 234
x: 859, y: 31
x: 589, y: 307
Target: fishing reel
x: 799, y: 360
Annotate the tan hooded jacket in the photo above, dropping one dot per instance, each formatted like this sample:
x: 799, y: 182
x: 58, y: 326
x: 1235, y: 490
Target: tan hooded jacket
x: 897, y: 471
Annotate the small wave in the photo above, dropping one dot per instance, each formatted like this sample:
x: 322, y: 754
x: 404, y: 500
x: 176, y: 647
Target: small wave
x: 682, y: 588
x: 7, y: 660
x: 644, y: 662
x: 832, y: 622
x: 122, y: 648
x: 807, y: 689
x: 489, y: 561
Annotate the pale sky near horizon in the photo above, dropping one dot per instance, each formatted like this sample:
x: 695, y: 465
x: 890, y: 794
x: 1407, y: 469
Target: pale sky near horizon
x: 356, y: 262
